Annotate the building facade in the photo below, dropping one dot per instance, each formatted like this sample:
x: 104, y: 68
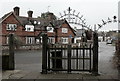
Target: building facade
x: 27, y: 29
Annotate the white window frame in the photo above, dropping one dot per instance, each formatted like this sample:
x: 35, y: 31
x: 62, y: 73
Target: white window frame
x: 37, y: 41
x: 7, y: 40
x: 29, y: 28
x: 51, y: 40
x: 64, y: 40
x: 50, y: 29
x: 64, y: 30
x: 11, y: 27
x: 30, y: 40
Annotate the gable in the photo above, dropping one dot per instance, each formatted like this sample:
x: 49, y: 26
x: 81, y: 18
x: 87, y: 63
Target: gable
x: 10, y: 18
x: 65, y: 30
x: 66, y: 25
x: 10, y: 23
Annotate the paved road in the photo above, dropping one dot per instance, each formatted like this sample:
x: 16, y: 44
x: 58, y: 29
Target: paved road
x: 106, y: 53
x: 30, y: 60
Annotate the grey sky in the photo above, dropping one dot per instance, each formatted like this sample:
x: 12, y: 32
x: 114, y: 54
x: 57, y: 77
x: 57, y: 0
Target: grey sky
x: 92, y: 10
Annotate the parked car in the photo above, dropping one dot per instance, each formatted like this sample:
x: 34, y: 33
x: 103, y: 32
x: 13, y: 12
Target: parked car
x: 109, y: 41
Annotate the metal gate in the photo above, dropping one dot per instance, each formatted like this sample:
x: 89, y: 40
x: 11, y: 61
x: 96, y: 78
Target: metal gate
x: 68, y: 58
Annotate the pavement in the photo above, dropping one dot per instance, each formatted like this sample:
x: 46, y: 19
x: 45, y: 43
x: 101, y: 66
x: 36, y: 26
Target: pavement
x: 20, y: 74
x: 106, y: 70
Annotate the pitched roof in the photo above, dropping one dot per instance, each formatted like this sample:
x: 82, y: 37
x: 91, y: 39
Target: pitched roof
x: 7, y: 15
x: 43, y: 22
x: 79, y: 32
x: 39, y: 23
x: 58, y: 24
x: 26, y: 20
x: 70, y: 27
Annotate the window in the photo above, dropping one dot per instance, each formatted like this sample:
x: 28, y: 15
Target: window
x: 39, y: 22
x: 51, y: 40
x: 64, y: 40
x: 35, y: 22
x: 29, y: 28
x: 30, y: 40
x: 64, y: 30
x: 7, y: 40
x: 11, y: 27
x: 37, y: 41
x: 50, y: 29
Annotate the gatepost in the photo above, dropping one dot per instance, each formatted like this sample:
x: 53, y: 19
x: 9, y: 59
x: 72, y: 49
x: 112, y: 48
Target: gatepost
x: 95, y: 53
x: 69, y: 58
x: 11, y: 52
x: 44, y: 53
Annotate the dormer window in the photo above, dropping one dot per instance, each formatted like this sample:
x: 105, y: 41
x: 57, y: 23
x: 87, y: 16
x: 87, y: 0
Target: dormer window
x: 29, y: 28
x: 11, y: 27
x: 35, y: 22
x: 50, y: 29
x: 39, y: 22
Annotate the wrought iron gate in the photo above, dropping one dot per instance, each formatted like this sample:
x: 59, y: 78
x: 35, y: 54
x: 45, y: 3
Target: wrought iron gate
x: 68, y: 58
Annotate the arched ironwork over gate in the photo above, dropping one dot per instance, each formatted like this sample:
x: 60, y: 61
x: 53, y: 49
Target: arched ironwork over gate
x: 74, y: 17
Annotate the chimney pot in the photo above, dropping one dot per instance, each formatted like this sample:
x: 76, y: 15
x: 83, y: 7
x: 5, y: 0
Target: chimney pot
x: 16, y: 10
x: 30, y: 13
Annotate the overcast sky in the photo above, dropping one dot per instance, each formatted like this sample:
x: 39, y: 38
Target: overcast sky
x: 92, y: 10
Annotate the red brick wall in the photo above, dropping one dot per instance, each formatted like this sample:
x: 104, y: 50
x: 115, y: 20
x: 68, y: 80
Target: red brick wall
x: 10, y: 20
x: 60, y: 34
x: 19, y: 32
x: 65, y: 34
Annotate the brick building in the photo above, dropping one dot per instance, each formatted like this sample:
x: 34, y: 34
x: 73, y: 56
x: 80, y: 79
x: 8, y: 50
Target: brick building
x: 27, y: 29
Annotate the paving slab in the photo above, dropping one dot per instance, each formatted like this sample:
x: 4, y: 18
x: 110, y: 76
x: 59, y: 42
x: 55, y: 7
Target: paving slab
x: 32, y: 75
x: 75, y: 76
x: 105, y: 77
x: 90, y: 77
x: 8, y: 73
x: 19, y: 75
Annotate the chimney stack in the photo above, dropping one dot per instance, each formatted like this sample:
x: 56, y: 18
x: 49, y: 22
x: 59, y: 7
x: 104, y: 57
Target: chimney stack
x: 16, y: 10
x: 30, y: 13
